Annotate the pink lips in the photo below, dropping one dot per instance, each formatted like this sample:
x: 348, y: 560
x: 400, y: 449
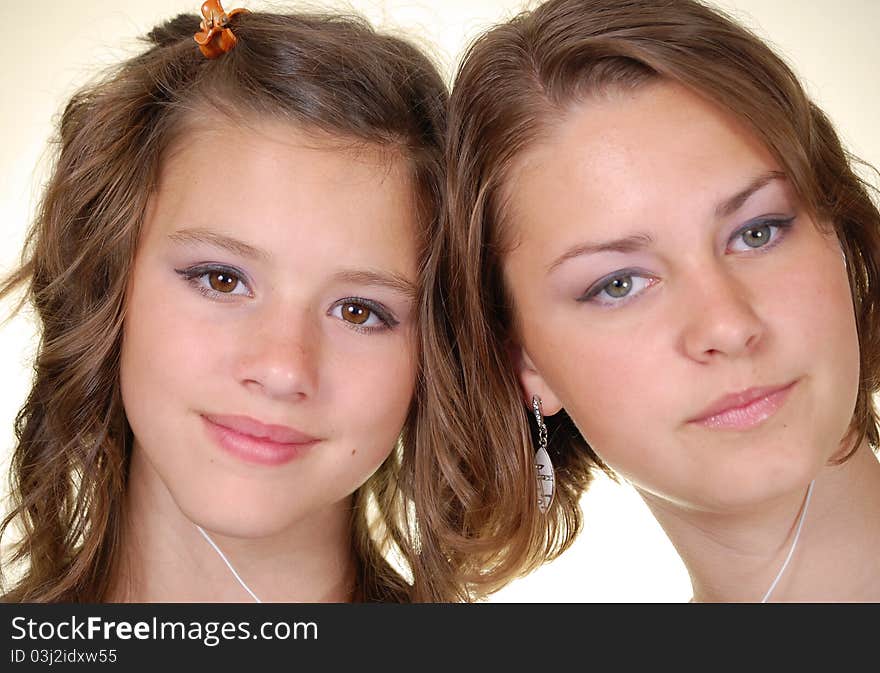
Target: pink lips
x: 256, y: 442
x: 743, y: 410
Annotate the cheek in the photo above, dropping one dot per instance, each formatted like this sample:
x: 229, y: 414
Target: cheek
x: 811, y: 296
x: 370, y: 397
x: 817, y: 306
x: 616, y: 397
x: 163, y: 354
x: 374, y: 388
x: 819, y: 325
x: 607, y: 382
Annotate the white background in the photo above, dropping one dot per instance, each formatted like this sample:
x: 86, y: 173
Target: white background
x: 50, y: 47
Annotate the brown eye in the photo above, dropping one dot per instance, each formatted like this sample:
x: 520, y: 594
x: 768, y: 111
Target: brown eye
x: 357, y: 314
x: 223, y: 281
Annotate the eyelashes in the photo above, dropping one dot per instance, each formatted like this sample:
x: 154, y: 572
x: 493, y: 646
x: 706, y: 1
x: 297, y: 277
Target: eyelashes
x: 761, y: 234
x: 224, y: 283
x: 216, y: 281
x: 363, y: 315
x: 617, y: 289
x: 758, y: 236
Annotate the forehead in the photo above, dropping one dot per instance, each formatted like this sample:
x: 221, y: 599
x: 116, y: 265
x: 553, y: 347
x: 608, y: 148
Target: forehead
x: 215, y: 156
x: 224, y: 137
x: 628, y: 152
x: 277, y: 185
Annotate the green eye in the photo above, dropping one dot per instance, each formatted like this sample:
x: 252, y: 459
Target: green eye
x: 755, y: 237
x: 619, y: 287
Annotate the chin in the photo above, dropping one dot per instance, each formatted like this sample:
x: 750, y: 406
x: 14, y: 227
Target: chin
x: 241, y: 524
x: 764, y: 481
x: 245, y: 516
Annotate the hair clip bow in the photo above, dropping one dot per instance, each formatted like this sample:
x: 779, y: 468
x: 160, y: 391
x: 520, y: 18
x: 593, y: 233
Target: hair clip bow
x: 215, y: 37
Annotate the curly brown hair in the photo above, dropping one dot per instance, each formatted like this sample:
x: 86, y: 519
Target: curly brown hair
x: 331, y: 73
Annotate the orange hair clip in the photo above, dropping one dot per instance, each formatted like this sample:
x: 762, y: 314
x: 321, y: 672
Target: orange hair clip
x: 215, y: 37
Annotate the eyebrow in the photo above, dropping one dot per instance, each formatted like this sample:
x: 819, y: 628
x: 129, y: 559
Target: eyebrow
x: 190, y: 236
x: 392, y: 281
x: 735, y: 202
x: 639, y: 241
x: 630, y: 243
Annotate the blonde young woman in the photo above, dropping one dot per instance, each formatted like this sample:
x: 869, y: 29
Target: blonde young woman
x: 225, y: 270
x: 659, y: 248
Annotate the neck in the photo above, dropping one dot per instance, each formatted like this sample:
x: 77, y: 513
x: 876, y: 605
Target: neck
x: 166, y: 559
x: 735, y: 557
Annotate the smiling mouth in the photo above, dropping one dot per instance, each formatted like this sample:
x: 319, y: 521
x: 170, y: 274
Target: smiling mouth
x: 241, y: 438
x: 746, y: 409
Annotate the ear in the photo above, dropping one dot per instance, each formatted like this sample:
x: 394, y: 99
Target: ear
x: 532, y: 383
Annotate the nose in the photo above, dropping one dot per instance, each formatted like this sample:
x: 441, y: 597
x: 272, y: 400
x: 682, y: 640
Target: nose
x: 721, y: 319
x: 279, y: 358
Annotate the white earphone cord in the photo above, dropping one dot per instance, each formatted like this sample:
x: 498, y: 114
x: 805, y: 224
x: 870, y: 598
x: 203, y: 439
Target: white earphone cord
x: 228, y: 564
x: 797, y: 534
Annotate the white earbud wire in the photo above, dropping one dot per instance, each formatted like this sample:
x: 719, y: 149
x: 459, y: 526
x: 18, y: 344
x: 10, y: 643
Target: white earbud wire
x: 797, y: 534
x: 228, y: 564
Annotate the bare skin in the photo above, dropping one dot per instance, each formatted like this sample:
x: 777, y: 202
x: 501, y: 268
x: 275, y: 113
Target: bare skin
x: 268, y: 362
x: 663, y: 268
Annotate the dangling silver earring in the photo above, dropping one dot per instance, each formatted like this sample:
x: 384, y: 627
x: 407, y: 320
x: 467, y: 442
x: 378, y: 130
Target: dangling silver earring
x: 543, y: 466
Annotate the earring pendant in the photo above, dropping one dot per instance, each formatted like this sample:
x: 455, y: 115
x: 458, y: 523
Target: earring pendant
x: 543, y: 467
